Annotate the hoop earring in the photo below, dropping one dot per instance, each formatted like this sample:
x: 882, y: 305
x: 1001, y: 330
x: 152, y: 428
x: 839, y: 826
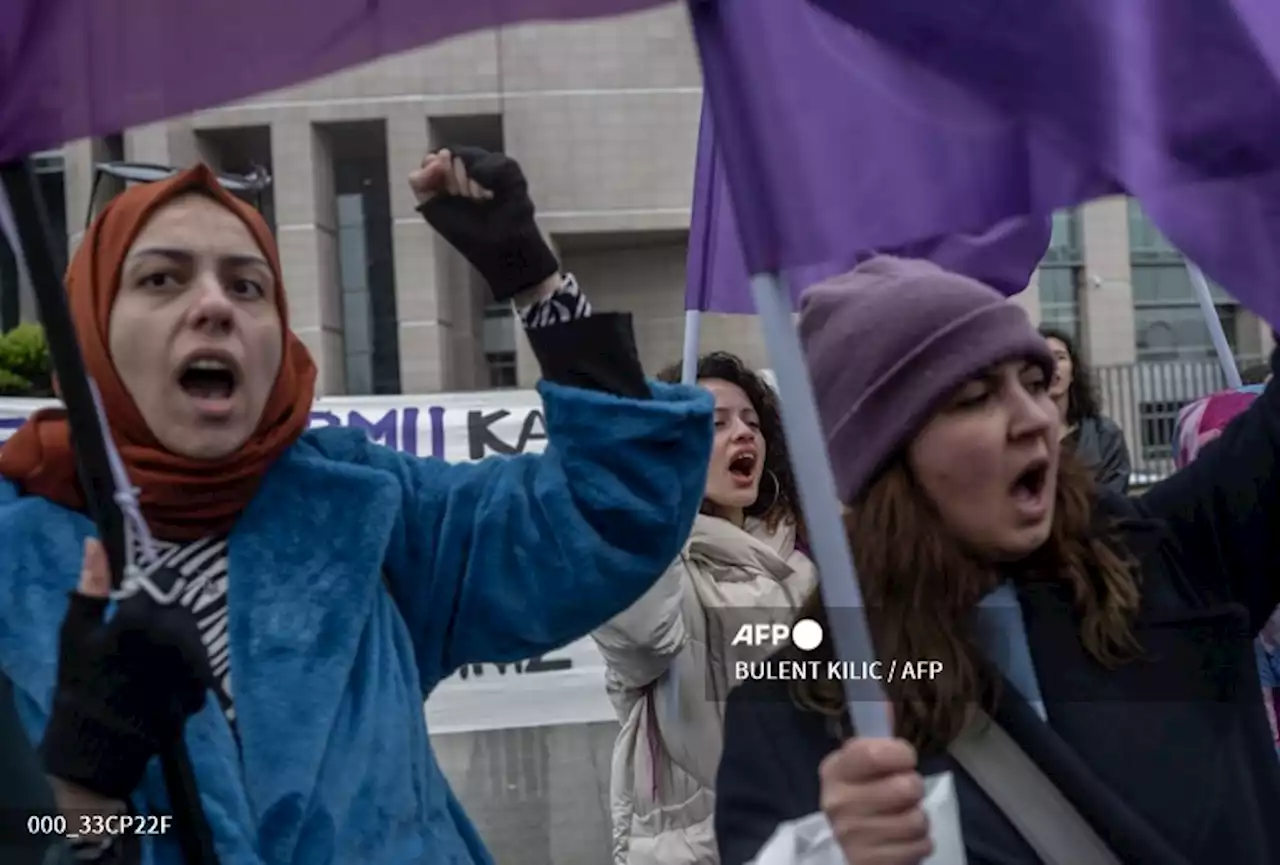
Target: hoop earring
x: 777, y: 493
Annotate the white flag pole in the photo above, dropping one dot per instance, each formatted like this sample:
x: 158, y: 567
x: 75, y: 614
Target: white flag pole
x: 689, y: 358
x: 820, y: 504
x: 1216, y: 334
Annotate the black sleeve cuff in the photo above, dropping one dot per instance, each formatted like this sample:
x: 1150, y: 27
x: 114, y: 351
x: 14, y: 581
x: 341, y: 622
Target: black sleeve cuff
x: 595, y: 353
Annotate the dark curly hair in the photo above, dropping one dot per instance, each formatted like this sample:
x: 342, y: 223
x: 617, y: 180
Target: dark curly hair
x: 729, y: 367
x: 1082, y: 399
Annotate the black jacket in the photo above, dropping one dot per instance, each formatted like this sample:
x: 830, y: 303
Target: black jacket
x: 1168, y: 757
x: 1099, y: 442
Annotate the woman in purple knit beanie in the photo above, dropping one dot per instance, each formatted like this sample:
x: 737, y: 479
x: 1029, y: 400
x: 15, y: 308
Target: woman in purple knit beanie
x: 1110, y: 637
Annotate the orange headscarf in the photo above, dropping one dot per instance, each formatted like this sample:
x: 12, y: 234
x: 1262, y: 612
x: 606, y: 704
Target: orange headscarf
x: 181, y: 498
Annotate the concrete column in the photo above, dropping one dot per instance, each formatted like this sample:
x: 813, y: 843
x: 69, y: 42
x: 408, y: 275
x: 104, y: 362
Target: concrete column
x: 148, y: 143
x: 423, y: 265
x: 306, y: 228
x: 1106, y: 299
x: 1249, y: 334
x: 79, y: 159
x: 187, y: 147
x: 1106, y: 309
x: 169, y: 142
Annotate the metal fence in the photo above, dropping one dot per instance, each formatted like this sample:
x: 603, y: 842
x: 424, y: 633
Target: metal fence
x: 538, y: 796
x: 1145, y: 398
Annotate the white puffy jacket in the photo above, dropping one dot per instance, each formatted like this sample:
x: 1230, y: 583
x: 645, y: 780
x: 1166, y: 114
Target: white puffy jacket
x: 666, y: 677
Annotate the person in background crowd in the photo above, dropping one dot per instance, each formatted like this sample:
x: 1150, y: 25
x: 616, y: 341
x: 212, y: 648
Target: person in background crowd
x: 334, y: 581
x: 1102, y: 633
x: 1199, y: 423
x: 668, y: 656
x: 1098, y: 441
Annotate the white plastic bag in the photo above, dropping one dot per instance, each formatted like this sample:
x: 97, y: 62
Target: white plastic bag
x: 808, y: 841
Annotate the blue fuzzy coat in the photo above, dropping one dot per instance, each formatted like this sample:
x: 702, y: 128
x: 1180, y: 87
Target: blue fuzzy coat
x: 484, y: 562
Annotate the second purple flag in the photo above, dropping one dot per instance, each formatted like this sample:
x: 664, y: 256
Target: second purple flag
x: 848, y: 125
x: 1003, y: 256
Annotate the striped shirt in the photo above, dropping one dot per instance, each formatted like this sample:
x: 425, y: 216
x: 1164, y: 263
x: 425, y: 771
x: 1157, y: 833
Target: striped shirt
x: 565, y: 304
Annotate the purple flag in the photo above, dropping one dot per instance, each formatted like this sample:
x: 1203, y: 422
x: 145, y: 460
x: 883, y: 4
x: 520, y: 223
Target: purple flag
x: 75, y: 68
x: 965, y: 114
x: 718, y: 279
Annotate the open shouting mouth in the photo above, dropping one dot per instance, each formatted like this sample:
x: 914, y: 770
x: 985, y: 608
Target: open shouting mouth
x: 1030, y: 489
x: 742, y: 468
x: 210, y: 379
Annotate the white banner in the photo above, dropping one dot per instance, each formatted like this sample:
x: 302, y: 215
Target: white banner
x: 564, y: 687
x: 458, y: 427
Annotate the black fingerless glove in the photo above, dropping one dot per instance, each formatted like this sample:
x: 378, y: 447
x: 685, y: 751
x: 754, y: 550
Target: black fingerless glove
x: 498, y: 235
x: 124, y: 691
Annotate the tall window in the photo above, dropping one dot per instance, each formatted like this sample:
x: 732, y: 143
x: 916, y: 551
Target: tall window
x: 1168, y: 323
x: 17, y: 303
x: 353, y: 271
x: 10, y: 301
x: 366, y: 261
x: 499, y: 341
x: 1059, y: 276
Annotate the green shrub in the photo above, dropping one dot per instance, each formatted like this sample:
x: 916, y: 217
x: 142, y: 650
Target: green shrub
x: 24, y: 362
x: 13, y: 385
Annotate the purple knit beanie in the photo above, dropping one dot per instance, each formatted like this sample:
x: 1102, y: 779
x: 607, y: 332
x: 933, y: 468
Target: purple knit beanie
x: 888, y: 342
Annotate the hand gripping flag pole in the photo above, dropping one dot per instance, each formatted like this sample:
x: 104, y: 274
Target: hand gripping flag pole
x: 110, y: 499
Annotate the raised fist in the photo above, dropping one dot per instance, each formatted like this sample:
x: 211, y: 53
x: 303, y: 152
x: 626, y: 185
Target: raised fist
x: 479, y: 202
x: 444, y: 173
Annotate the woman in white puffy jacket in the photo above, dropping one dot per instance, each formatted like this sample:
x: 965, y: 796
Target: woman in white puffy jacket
x: 669, y: 657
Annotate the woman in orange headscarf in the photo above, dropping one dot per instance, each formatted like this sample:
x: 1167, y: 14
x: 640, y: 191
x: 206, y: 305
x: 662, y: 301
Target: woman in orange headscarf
x: 197, y: 456
x: 335, y: 581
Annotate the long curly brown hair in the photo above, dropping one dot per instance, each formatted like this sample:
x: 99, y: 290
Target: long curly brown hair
x: 771, y: 506
x: 919, y: 586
